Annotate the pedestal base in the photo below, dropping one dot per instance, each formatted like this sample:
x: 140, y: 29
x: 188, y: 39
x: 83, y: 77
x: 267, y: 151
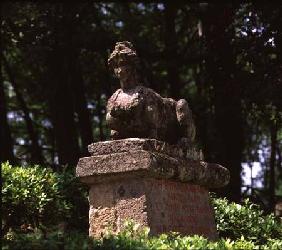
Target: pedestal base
x: 156, y: 184
x: 162, y: 205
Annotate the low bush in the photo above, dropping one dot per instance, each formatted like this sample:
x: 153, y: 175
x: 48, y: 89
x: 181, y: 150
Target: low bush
x: 35, y: 197
x: 245, y: 220
x: 75, y: 194
x: 35, y: 200
x: 30, y: 197
x: 133, y: 237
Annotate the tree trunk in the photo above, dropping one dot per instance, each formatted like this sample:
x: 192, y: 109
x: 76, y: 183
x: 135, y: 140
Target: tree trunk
x: 80, y: 102
x: 63, y: 83
x: 62, y: 107
x: 6, y: 142
x: 101, y: 118
x: 171, y: 52
x: 227, y: 101
x: 36, y: 152
x: 273, y: 138
x: 202, y: 114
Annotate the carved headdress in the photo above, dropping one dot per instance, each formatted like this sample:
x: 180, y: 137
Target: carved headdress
x: 124, y: 53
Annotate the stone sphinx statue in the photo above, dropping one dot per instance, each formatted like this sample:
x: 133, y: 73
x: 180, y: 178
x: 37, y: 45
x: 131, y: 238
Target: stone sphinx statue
x: 149, y: 173
x: 137, y: 111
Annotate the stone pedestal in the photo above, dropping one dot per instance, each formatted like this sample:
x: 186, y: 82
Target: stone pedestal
x: 155, y: 184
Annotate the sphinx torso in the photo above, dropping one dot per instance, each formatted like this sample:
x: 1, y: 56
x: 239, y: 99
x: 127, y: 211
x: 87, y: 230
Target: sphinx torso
x: 141, y: 112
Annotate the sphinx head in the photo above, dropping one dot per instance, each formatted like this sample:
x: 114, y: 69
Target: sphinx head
x: 125, y: 62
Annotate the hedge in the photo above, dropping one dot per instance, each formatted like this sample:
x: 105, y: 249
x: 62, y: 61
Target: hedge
x: 35, y: 196
x: 36, y: 202
x: 133, y: 237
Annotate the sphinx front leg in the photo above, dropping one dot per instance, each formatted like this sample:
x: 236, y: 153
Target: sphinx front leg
x: 115, y: 135
x: 185, y: 120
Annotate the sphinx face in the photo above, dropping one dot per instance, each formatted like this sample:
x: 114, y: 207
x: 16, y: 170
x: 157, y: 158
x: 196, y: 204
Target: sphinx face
x: 126, y: 75
x: 122, y: 72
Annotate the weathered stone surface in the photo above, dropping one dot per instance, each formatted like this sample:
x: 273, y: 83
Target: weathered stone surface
x: 114, y: 163
x: 147, y: 163
x: 163, y: 205
x: 137, y: 111
x: 152, y: 145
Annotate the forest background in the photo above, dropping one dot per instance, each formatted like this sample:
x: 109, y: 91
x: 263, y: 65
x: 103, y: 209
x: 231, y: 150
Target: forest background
x: 225, y: 59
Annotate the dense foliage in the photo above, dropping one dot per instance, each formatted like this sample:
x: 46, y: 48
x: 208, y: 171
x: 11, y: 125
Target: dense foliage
x: 35, y: 201
x: 34, y: 197
x: 246, y: 220
x: 31, y: 195
x: 132, y: 237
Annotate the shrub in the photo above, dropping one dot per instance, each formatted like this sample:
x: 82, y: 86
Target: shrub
x: 35, y: 196
x: 247, y: 220
x: 31, y: 197
x: 38, y: 240
x: 132, y: 237
x: 75, y: 194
